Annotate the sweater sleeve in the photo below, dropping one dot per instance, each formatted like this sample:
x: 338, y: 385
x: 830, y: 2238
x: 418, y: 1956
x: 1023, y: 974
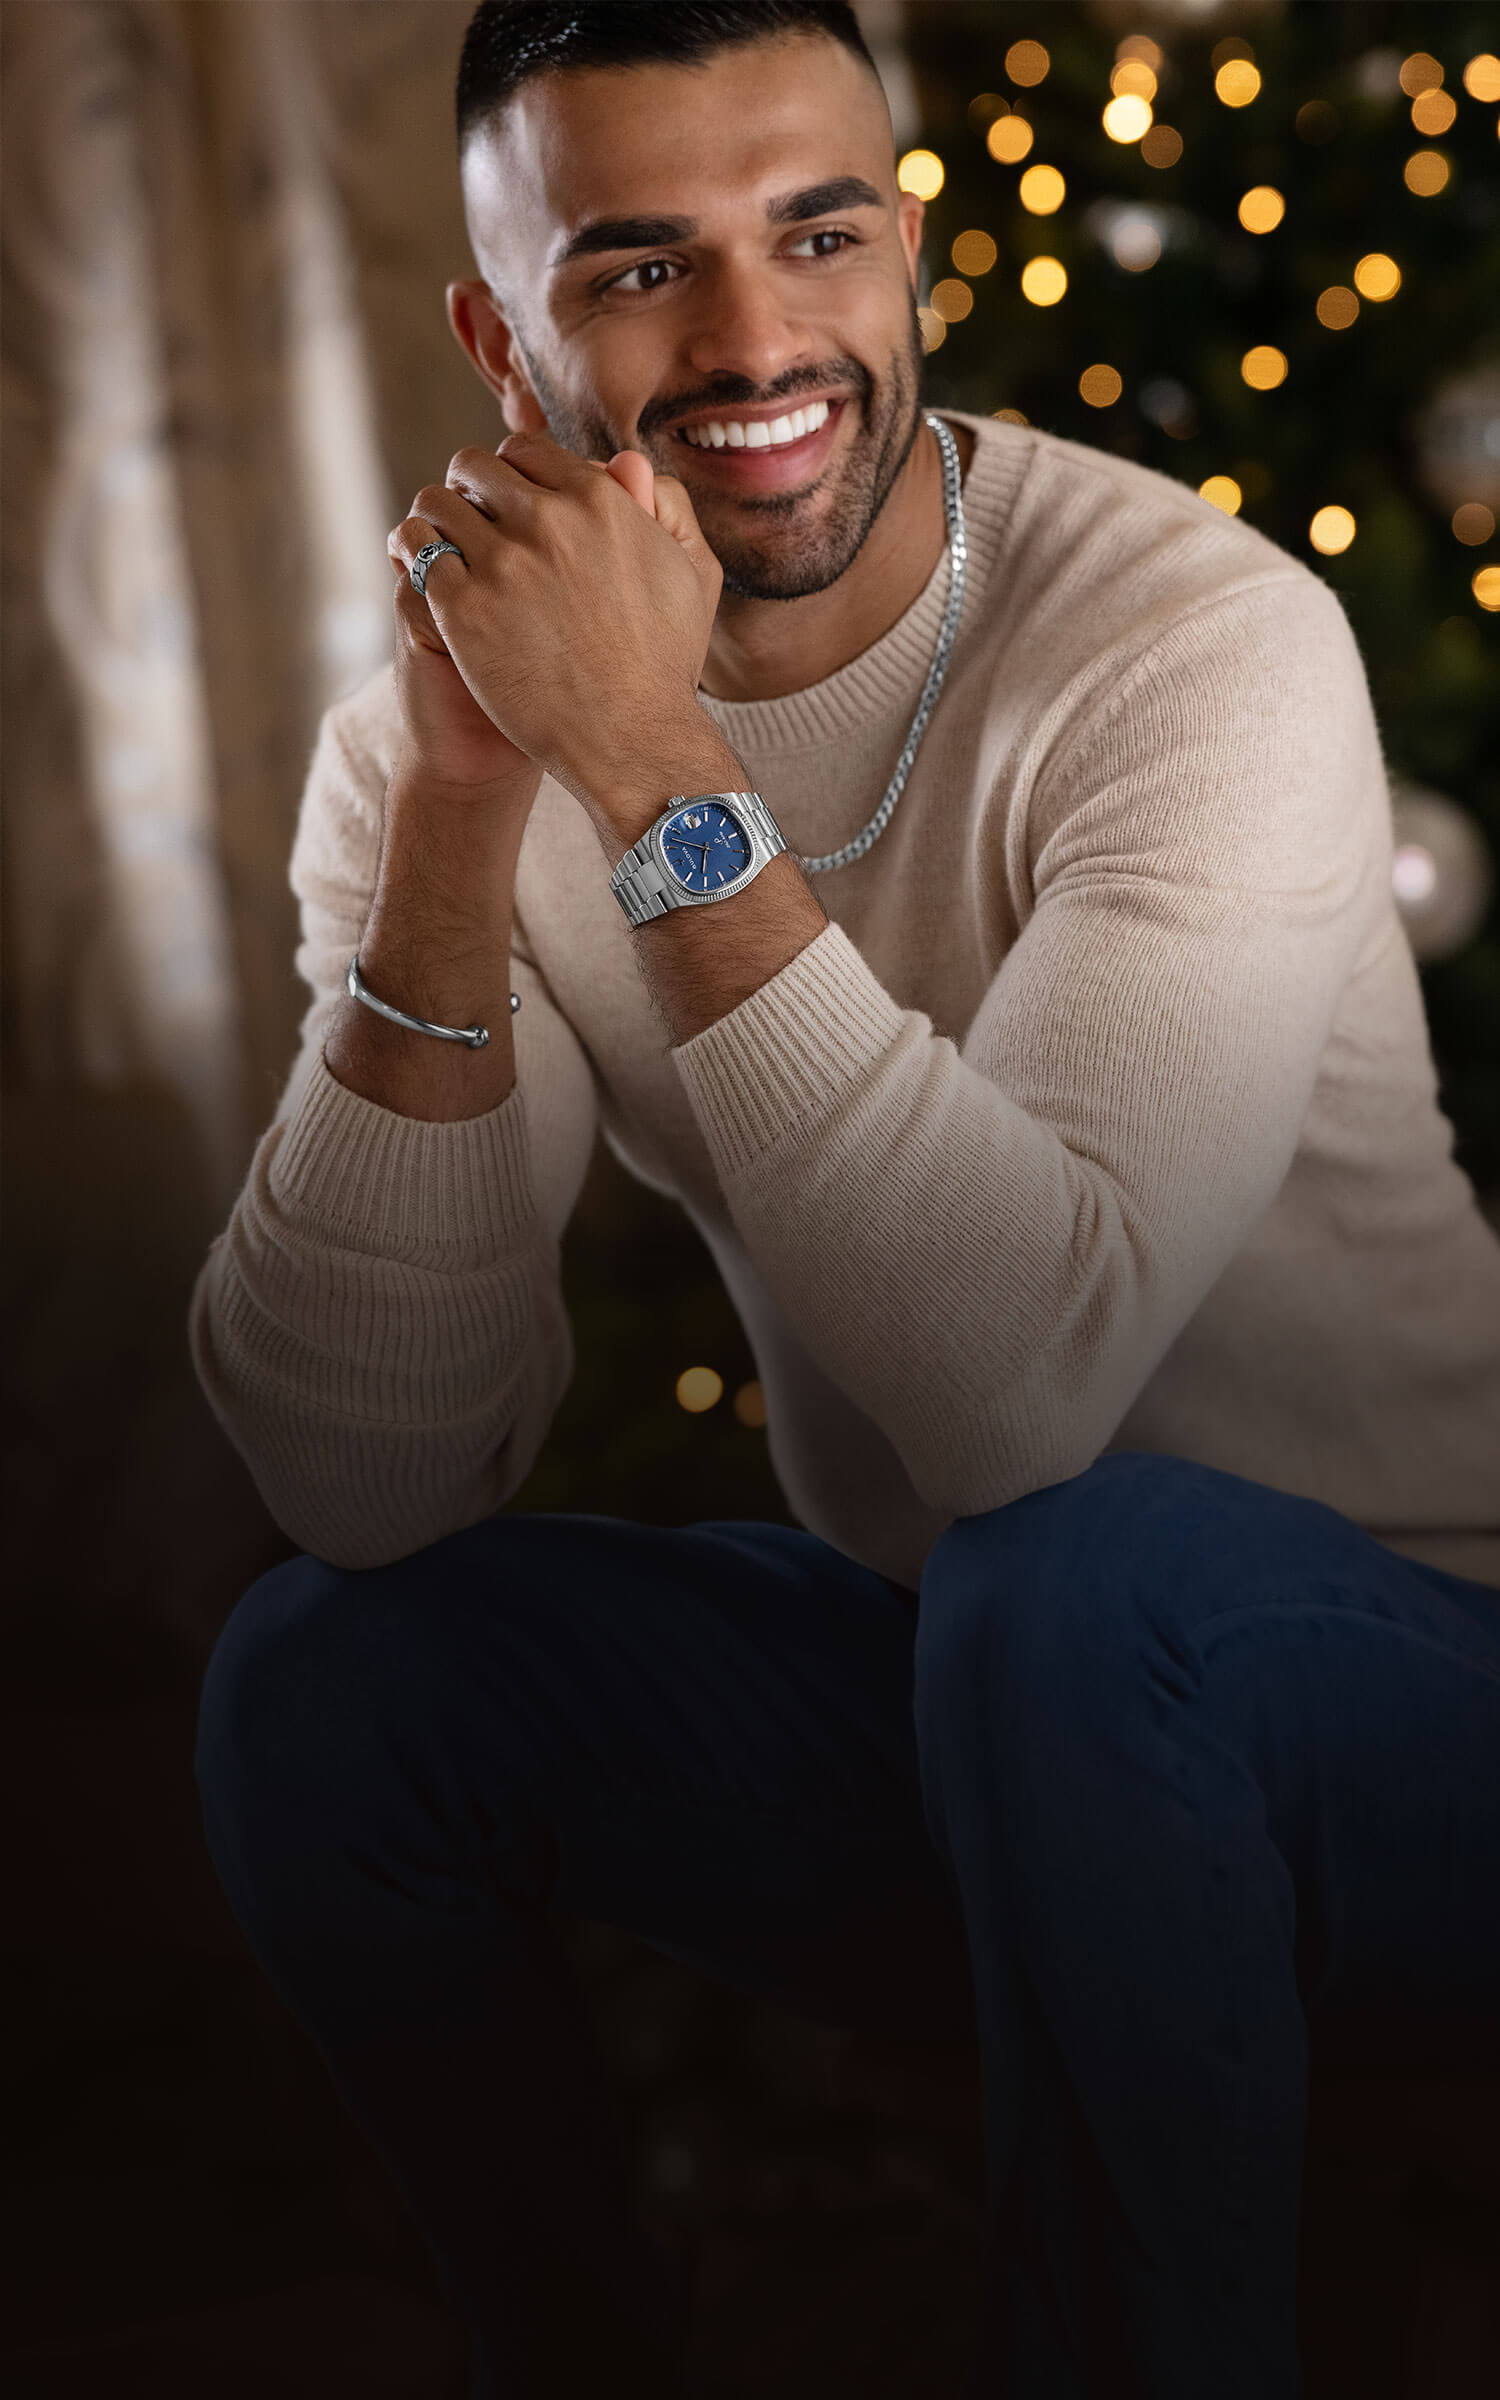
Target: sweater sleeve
x: 990, y: 1246
x: 380, y: 1327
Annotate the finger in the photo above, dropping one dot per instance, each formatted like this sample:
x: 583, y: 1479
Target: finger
x: 446, y: 519
x: 675, y: 510
x: 632, y: 471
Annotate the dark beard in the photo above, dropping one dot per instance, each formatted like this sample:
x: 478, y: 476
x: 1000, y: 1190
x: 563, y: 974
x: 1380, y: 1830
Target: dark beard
x: 795, y: 567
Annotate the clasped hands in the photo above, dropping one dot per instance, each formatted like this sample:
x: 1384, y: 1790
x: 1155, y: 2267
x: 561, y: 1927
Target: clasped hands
x: 578, y: 620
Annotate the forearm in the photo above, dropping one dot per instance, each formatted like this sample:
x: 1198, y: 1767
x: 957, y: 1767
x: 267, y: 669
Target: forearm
x: 699, y: 963
x: 437, y: 944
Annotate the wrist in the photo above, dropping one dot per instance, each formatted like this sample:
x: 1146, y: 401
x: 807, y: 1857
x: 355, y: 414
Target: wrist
x: 627, y: 794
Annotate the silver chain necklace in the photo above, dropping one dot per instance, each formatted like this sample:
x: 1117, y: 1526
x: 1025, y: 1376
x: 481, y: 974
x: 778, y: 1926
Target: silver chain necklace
x: 958, y: 560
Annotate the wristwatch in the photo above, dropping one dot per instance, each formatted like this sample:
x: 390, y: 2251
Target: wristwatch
x: 702, y: 848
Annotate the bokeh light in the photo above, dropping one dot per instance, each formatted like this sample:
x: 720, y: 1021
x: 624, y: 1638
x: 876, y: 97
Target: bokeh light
x: 1337, y: 307
x: 1237, y: 82
x: 1316, y: 121
x: 952, y: 300
x: 1426, y: 172
x: 1377, y: 277
x: 1133, y: 75
x: 1223, y: 492
x: 1026, y: 62
x: 1482, y: 77
x: 1486, y: 587
x: 934, y: 331
x: 1011, y: 416
x: 1162, y: 146
x: 1141, y: 46
x: 1264, y: 367
x: 1420, y: 73
x: 1044, y: 281
x: 699, y: 1388
x: 1331, y: 531
x: 1262, y: 209
x: 921, y: 171
x: 1433, y: 112
x: 1473, y: 522
x: 1100, y: 386
x: 974, y: 253
x: 750, y: 1404
x: 1127, y: 118
x: 1009, y: 139
x: 1042, y: 191
x: 984, y: 108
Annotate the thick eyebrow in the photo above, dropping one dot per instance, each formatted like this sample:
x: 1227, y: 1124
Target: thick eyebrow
x: 654, y: 233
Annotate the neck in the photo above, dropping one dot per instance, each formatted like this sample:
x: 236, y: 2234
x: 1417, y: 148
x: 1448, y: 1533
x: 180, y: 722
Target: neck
x: 761, y: 649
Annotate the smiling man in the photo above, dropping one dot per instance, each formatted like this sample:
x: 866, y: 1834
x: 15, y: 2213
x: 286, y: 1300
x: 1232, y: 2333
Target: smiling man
x: 955, y: 864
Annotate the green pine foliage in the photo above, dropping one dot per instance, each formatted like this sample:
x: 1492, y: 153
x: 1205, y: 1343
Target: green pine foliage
x: 1345, y: 426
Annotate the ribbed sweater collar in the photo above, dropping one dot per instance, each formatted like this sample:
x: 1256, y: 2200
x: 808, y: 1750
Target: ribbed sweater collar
x: 888, y: 677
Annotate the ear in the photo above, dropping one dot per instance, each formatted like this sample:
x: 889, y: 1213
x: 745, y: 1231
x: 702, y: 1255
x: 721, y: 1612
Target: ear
x: 482, y: 333
x: 910, y: 212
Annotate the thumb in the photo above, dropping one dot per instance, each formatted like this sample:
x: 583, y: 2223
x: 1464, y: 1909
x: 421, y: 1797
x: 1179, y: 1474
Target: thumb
x: 675, y: 510
x: 632, y: 471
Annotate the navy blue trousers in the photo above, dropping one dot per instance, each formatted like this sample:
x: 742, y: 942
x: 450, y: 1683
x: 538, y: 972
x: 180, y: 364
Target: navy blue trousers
x: 1160, y: 1776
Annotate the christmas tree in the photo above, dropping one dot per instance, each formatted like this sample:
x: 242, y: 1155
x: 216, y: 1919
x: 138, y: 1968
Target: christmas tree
x: 1257, y: 247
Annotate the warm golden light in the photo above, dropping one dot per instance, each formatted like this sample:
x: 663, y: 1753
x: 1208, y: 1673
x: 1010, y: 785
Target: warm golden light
x: 1264, y: 367
x: 1141, y: 46
x: 1044, y: 281
x: 1026, y: 62
x: 1473, y: 522
x: 750, y: 1404
x: 974, y: 253
x: 934, y: 331
x: 1162, y: 146
x: 1042, y: 190
x: 1377, y: 277
x: 952, y: 300
x: 1223, y: 492
x: 1331, y: 531
x: 1337, y: 307
x: 1127, y: 118
x: 1262, y: 209
x: 921, y: 171
x: 1486, y: 587
x: 1237, y: 82
x: 699, y: 1388
x: 1426, y: 172
x: 984, y: 108
x: 1482, y: 77
x: 1009, y: 139
x: 1433, y: 112
x: 1011, y: 416
x: 1420, y: 73
x: 1133, y: 75
x: 1100, y: 386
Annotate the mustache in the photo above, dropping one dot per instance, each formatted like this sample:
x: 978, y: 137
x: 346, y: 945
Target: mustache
x: 737, y: 391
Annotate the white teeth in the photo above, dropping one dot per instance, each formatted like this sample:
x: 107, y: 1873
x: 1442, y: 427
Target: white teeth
x: 755, y: 433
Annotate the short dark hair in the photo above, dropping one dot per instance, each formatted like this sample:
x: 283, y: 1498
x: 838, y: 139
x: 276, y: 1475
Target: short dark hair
x: 510, y: 40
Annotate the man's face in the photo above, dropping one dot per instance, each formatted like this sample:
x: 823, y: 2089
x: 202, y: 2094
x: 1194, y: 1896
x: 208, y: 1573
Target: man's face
x: 675, y: 247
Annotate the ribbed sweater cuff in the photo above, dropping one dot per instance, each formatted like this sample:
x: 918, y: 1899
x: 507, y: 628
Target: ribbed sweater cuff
x: 399, y: 1184
x: 788, y: 1050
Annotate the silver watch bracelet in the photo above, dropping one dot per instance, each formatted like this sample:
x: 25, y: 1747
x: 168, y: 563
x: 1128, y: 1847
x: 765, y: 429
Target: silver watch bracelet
x: 475, y: 1036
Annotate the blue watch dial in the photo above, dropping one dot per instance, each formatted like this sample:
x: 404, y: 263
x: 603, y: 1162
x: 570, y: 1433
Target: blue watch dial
x: 705, y: 846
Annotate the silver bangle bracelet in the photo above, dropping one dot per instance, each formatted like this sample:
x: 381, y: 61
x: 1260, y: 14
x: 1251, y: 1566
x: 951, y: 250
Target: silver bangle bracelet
x: 475, y: 1035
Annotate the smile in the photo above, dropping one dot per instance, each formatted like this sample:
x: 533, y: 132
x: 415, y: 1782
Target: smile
x: 750, y: 433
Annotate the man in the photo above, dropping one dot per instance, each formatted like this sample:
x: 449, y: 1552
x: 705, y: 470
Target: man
x: 1067, y: 1136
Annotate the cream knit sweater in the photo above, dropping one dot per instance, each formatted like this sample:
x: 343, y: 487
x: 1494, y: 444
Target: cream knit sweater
x: 1102, y: 1116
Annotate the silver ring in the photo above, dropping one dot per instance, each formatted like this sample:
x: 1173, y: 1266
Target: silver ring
x: 424, y: 558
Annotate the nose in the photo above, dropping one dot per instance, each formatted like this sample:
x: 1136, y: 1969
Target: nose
x: 743, y: 326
